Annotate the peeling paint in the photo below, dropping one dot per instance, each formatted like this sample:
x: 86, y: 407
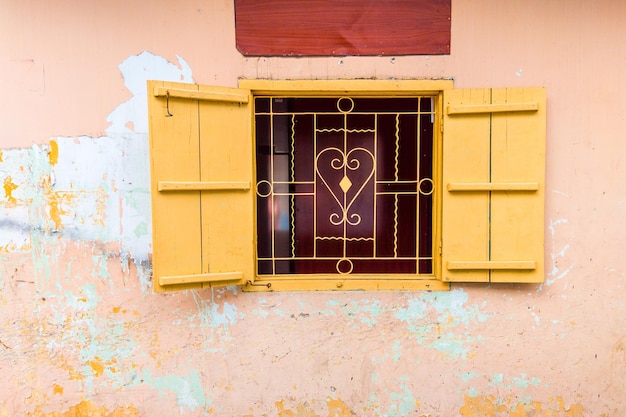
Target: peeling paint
x: 336, y: 407
x: 88, y: 408
x: 53, y: 153
x: 188, y: 390
x: 524, y: 382
x: 403, y: 401
x: 491, y: 406
x: 57, y: 389
x: 88, y: 188
x: 558, y: 271
x: 9, y: 186
x: 449, y: 316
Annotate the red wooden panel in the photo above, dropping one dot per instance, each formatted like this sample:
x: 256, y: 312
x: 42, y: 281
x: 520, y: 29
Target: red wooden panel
x: 342, y: 27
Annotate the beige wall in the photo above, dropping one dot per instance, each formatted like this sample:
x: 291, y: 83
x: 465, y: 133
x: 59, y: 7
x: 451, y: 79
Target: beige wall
x: 82, y: 333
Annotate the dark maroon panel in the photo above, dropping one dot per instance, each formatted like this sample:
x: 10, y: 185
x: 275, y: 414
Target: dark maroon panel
x: 342, y: 27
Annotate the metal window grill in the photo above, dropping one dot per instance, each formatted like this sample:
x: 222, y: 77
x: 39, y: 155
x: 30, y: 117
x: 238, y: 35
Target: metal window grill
x: 344, y: 185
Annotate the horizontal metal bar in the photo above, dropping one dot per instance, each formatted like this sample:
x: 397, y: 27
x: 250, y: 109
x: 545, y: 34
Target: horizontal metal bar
x: 200, y: 95
x: 202, y: 185
x: 368, y: 113
x: 354, y: 258
x: 480, y: 265
x: 200, y: 278
x: 493, y: 186
x: 492, y: 108
x: 290, y: 194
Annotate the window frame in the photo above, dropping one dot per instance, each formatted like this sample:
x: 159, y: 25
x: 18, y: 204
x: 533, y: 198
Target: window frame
x: 356, y: 88
x: 464, y: 157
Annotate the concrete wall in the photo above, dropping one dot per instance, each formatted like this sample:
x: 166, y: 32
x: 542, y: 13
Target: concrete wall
x: 82, y: 333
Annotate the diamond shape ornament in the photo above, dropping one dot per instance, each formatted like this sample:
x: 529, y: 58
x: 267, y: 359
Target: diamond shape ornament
x: 345, y: 184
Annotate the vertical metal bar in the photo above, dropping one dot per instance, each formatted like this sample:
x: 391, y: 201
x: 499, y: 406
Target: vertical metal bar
x: 292, y: 178
x: 314, y: 186
x: 273, y: 225
x: 489, y: 271
x: 345, y: 167
x: 395, y: 196
x: 374, y: 232
x: 418, y: 160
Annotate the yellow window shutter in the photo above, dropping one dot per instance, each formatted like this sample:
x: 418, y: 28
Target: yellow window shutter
x: 201, y: 171
x: 493, y: 185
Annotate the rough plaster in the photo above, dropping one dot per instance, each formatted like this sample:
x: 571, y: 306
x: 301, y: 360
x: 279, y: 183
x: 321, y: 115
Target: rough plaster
x: 82, y: 333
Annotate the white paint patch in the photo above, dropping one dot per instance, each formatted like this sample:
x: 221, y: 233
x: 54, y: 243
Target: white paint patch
x: 25, y: 171
x: 110, y: 175
x: 560, y: 193
x: 137, y: 70
x: 557, y: 257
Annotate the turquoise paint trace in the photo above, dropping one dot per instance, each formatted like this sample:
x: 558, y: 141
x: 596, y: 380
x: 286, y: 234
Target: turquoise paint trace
x: 442, y: 321
x: 524, y: 382
x: 188, y: 389
x: 403, y: 401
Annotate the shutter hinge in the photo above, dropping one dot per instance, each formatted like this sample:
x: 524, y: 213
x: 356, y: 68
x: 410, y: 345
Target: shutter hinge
x: 440, y: 248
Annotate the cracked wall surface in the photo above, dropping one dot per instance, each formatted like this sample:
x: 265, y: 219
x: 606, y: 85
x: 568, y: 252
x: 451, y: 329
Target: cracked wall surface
x: 82, y: 333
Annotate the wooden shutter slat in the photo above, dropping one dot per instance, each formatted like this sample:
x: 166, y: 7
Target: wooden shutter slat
x: 203, y: 185
x: 480, y: 265
x: 200, y: 278
x: 491, y: 186
x: 191, y: 94
x: 465, y: 216
x: 226, y: 155
x: 492, y: 108
x: 175, y: 217
x: 518, y: 154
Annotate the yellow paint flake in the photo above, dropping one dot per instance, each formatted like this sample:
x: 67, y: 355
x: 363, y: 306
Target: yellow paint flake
x: 575, y: 410
x: 88, y: 408
x: 338, y: 408
x: 489, y: 406
x: 481, y: 406
x: 9, y: 187
x: 55, y: 210
x: 57, y: 389
x: 116, y: 309
x: 97, y: 366
x: 60, y: 202
x: 1, y: 160
x: 54, y: 152
x: 302, y: 410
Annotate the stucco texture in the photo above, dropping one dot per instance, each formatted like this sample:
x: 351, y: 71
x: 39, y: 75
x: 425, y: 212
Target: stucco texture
x: 82, y: 333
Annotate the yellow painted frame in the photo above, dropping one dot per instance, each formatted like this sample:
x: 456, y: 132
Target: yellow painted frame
x: 382, y: 88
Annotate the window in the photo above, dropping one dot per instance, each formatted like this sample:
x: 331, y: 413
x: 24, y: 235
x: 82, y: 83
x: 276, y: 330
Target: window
x: 351, y: 184
x: 344, y: 184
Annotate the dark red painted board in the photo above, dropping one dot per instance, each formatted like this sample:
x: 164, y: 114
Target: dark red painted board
x: 342, y: 27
